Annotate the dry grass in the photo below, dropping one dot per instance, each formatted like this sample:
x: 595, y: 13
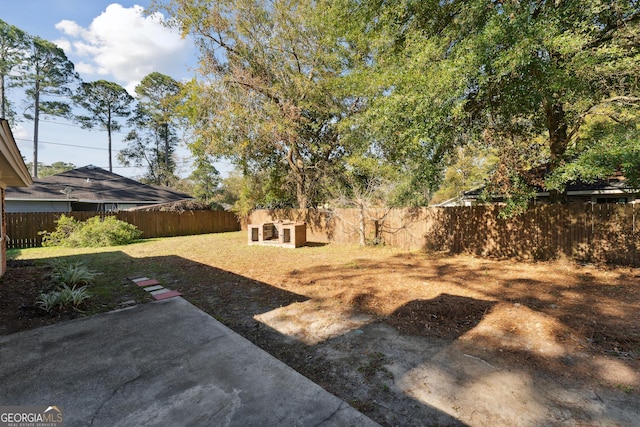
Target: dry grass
x: 577, y: 322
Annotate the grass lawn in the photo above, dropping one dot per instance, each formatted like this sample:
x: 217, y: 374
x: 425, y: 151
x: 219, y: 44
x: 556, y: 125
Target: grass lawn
x: 555, y: 319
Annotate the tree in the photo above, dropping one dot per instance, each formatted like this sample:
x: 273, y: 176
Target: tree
x: 105, y: 101
x: 13, y: 46
x: 364, y: 186
x: 52, y: 169
x: 270, y: 99
x: 470, y: 169
x: 500, y: 72
x: 206, y: 179
x: 46, y: 72
x: 157, y: 122
x: 230, y: 189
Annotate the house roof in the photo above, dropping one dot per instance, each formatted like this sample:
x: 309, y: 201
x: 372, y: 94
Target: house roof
x: 93, y: 184
x: 13, y: 171
x: 615, y: 184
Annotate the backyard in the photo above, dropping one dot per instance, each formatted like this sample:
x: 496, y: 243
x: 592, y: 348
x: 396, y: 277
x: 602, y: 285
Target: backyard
x: 408, y: 338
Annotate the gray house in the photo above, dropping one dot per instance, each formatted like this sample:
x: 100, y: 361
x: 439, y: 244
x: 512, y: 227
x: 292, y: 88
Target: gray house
x: 88, y: 188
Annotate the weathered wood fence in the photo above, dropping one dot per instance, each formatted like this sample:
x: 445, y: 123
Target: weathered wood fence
x: 591, y: 233
x: 23, y: 228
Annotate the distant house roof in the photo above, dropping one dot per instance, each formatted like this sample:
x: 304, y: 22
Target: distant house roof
x: 93, y: 184
x: 13, y: 171
x: 614, y: 185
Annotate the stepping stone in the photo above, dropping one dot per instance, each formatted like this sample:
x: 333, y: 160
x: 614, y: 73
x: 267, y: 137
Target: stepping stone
x: 159, y: 291
x: 139, y: 279
x: 153, y: 288
x: 148, y: 282
x: 166, y: 295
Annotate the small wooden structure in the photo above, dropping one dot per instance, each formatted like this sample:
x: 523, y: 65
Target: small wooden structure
x: 284, y: 234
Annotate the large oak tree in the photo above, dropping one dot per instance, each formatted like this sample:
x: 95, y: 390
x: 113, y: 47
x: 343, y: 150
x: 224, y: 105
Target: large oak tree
x: 269, y: 96
x: 504, y: 73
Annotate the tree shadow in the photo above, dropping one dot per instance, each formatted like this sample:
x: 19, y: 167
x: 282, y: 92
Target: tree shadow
x: 446, y: 316
x: 235, y: 300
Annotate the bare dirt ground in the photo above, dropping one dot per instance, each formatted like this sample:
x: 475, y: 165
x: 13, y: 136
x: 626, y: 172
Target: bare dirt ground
x: 427, y: 340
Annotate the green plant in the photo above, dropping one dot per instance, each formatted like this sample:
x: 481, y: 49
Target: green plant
x: 625, y: 388
x: 48, y: 301
x: 75, y: 296
x: 64, y: 298
x: 71, y: 273
x: 65, y: 227
x: 95, y: 232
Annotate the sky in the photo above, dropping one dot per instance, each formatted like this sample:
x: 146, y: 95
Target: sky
x: 106, y: 40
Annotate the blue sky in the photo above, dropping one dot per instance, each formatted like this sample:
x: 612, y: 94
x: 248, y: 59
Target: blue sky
x: 110, y: 40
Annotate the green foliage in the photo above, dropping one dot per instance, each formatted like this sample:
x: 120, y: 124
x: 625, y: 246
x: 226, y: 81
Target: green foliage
x: 470, y: 169
x: 52, y: 169
x: 156, y: 122
x: 65, y: 227
x: 65, y: 297
x: 608, y: 143
x: 46, y: 72
x: 13, y: 43
x: 506, y: 74
x: 95, y: 232
x: 64, y: 281
x: 48, y: 301
x: 70, y: 273
x: 270, y: 96
x: 105, y: 102
x: 514, y: 192
x: 206, y: 179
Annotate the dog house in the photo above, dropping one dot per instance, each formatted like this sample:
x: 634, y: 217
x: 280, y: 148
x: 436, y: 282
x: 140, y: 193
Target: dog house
x: 284, y: 234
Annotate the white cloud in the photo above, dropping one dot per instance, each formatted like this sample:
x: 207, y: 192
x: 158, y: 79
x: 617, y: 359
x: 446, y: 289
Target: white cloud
x: 63, y: 44
x: 69, y: 28
x: 124, y: 45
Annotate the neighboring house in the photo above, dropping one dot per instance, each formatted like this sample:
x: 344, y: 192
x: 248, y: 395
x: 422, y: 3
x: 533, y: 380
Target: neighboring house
x: 611, y: 190
x: 13, y: 173
x: 88, y: 188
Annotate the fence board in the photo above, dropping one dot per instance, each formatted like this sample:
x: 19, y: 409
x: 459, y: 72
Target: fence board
x: 589, y: 233
x: 23, y: 228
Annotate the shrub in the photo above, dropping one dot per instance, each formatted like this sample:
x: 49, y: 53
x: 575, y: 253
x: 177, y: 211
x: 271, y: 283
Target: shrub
x: 65, y: 227
x: 95, y: 232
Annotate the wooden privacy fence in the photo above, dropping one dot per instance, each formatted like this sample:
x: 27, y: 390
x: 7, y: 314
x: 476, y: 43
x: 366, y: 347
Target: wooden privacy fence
x: 23, y: 228
x: 592, y: 233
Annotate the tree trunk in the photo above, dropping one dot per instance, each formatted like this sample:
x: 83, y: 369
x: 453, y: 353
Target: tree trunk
x: 557, y: 141
x: 297, y: 167
x: 109, y: 138
x: 3, y: 102
x: 301, y: 194
x: 361, y: 224
x: 36, y: 119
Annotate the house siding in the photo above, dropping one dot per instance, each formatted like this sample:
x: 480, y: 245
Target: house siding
x: 36, y: 206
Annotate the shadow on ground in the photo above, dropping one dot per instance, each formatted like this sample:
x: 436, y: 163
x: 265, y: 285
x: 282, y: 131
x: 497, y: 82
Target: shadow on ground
x: 235, y: 301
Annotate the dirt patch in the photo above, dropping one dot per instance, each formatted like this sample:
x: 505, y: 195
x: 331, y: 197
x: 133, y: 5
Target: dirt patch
x: 19, y: 290
x: 413, y: 339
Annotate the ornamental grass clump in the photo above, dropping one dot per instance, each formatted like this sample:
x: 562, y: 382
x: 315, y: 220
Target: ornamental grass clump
x: 95, y: 232
x: 65, y: 297
x: 72, y: 273
x: 62, y: 292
